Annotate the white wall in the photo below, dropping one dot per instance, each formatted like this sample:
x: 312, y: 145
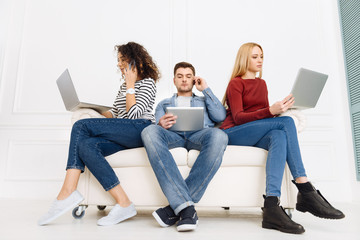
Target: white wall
x: 40, y: 38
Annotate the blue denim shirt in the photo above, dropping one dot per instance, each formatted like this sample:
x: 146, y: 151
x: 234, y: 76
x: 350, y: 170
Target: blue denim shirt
x: 214, y: 111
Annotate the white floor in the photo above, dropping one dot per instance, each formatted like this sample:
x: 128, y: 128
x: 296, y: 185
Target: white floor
x: 18, y: 221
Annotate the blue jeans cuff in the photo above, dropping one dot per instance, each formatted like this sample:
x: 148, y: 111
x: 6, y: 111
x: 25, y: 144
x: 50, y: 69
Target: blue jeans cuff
x: 76, y: 167
x: 112, y: 186
x: 183, y: 206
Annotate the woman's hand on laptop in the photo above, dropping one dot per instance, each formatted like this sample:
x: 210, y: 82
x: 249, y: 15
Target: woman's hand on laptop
x: 167, y: 121
x: 200, y: 83
x: 282, y: 106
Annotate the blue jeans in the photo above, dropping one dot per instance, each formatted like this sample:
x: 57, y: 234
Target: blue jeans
x: 211, y: 143
x: 279, y: 137
x: 93, y: 139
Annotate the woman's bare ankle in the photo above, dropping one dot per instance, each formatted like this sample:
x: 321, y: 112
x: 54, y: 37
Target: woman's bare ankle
x: 301, y: 180
x: 63, y: 194
x: 125, y: 203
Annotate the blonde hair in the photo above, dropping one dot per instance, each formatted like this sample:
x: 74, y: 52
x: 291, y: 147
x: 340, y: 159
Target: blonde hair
x: 242, y: 63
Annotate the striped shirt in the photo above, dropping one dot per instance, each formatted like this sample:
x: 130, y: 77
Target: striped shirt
x: 145, y: 91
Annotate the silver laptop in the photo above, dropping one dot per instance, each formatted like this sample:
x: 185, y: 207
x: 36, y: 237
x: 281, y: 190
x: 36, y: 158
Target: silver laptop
x: 188, y: 118
x: 70, y: 98
x: 307, y: 88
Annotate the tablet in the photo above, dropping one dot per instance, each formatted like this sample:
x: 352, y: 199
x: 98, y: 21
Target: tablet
x: 188, y: 118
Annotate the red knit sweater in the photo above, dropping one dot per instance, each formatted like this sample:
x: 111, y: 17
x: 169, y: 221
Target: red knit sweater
x: 247, y: 101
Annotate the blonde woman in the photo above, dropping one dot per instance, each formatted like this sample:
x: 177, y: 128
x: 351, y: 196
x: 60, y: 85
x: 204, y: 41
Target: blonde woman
x: 251, y: 121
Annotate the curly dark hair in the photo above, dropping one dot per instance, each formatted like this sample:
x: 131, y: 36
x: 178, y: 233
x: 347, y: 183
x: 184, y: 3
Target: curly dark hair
x: 144, y: 63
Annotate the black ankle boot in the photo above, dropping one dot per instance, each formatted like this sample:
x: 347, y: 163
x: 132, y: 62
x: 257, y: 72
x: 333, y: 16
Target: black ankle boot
x: 310, y: 200
x: 275, y: 217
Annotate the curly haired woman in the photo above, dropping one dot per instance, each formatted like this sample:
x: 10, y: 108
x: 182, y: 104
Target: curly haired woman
x: 93, y: 139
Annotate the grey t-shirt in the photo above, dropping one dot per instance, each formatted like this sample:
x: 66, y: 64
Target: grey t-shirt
x: 183, y: 101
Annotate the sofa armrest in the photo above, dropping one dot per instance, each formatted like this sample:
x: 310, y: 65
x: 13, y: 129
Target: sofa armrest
x: 299, y: 118
x: 83, y: 113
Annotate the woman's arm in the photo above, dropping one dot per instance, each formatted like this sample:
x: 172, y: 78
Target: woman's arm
x: 283, y: 105
x: 236, y: 104
x: 130, y: 79
x: 107, y: 114
x: 145, y: 96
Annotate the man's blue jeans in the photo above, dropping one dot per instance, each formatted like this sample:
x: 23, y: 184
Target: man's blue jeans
x: 211, y: 142
x: 279, y: 137
x: 93, y: 139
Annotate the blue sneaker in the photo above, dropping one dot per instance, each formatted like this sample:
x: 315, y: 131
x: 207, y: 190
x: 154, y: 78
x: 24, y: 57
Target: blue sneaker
x: 188, y: 219
x: 165, y: 216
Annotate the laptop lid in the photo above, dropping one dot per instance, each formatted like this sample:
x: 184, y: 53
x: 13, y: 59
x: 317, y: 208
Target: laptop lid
x: 188, y: 118
x: 307, y: 88
x: 67, y: 90
x: 70, y: 98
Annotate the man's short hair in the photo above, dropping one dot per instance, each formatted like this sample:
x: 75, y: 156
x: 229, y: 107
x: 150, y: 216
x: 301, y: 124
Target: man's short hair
x: 184, y: 65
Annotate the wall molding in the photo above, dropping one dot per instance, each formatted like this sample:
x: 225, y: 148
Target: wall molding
x: 16, y: 144
x: 5, y: 127
x: 330, y: 161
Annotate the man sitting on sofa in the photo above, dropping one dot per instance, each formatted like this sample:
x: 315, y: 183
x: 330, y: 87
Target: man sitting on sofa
x: 211, y: 142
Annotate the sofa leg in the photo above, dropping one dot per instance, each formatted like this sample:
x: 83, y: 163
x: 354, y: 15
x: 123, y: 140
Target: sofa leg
x: 226, y: 208
x: 101, y: 207
x: 79, y: 211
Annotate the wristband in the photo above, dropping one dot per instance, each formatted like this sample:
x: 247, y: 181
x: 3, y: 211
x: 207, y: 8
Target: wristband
x: 130, y: 91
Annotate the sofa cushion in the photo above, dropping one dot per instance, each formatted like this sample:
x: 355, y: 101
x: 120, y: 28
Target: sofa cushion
x: 137, y: 157
x: 236, y: 156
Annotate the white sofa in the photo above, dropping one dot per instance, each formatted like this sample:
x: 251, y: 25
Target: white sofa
x: 240, y: 181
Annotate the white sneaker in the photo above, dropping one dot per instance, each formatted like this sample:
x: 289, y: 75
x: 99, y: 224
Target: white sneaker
x: 117, y: 215
x: 59, y: 207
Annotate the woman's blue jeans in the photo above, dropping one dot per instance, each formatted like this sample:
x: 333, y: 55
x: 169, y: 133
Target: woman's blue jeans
x: 93, y: 139
x: 279, y: 137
